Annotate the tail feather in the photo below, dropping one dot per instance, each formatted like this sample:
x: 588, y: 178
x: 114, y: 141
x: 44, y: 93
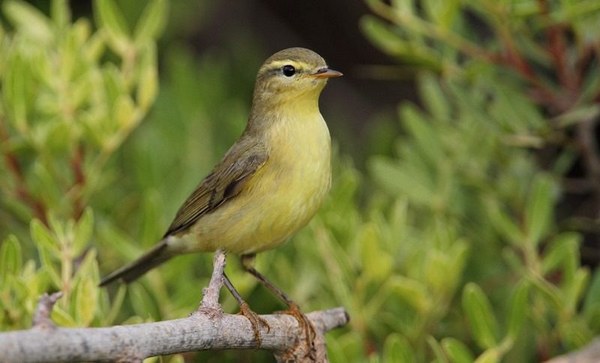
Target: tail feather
x: 137, y: 268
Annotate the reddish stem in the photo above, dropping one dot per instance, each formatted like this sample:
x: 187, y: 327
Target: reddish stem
x: 14, y: 167
x: 568, y: 77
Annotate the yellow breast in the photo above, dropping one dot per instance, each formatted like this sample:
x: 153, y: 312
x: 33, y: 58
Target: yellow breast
x: 281, y: 197
x: 298, y: 177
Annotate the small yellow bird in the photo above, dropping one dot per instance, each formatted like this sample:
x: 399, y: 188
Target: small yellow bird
x: 268, y: 185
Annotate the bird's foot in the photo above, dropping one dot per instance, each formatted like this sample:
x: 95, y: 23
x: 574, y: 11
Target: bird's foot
x: 255, y: 320
x: 306, y: 325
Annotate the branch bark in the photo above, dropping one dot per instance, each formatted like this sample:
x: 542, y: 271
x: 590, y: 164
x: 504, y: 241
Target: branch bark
x: 207, y: 328
x: 588, y: 354
x: 133, y: 343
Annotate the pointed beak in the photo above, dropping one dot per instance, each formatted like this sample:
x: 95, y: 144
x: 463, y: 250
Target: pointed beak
x: 327, y: 73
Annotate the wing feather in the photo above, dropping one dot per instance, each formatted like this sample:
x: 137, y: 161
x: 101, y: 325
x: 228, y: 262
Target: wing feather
x: 225, y: 182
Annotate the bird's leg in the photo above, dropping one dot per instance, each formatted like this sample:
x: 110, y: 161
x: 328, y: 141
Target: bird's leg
x: 254, y: 318
x: 293, y: 308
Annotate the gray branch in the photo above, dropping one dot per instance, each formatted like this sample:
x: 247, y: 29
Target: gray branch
x: 132, y: 343
x: 41, y: 319
x: 588, y: 354
x: 207, y: 328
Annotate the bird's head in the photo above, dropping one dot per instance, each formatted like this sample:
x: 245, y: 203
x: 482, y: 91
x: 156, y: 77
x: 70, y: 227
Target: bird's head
x: 292, y: 74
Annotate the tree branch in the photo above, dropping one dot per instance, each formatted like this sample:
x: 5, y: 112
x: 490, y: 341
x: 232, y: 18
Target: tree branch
x: 588, y: 354
x: 207, y: 328
x: 133, y: 343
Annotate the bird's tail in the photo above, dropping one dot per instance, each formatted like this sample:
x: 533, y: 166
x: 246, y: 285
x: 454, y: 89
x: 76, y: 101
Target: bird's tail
x: 137, y: 268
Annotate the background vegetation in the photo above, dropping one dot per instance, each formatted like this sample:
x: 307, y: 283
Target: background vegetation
x: 457, y: 239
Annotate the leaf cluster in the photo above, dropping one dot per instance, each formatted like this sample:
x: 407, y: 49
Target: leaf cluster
x: 69, y: 97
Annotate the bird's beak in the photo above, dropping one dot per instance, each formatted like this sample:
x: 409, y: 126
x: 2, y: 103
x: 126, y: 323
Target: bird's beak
x: 327, y: 73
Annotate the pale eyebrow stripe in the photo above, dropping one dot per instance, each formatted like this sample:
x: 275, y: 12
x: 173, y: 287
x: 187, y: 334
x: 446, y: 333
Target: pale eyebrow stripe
x: 280, y: 63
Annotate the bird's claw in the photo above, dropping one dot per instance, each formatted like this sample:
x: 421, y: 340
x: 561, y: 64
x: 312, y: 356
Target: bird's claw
x: 305, y: 324
x: 255, y: 320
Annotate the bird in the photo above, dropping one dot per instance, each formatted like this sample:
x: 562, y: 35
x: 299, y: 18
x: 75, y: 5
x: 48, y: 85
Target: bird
x: 267, y: 186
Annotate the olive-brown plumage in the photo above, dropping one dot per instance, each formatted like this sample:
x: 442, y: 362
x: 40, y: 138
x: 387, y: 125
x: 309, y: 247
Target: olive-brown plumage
x: 271, y: 181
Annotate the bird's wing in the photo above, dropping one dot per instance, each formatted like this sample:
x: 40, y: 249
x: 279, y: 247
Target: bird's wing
x: 222, y: 184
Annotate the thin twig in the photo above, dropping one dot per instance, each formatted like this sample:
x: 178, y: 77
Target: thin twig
x: 41, y: 319
x: 210, y: 298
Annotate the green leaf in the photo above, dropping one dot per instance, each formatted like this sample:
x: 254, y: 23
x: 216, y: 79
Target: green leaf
x: 433, y: 97
x: 10, y: 258
x: 578, y: 114
x: 481, y: 317
x: 125, y: 111
x: 15, y: 91
x: 86, y: 301
x: 377, y: 263
x: 551, y: 292
x: 539, y: 209
x: 423, y: 133
x: 443, y: 269
x: 574, y: 290
x: 62, y: 318
x: 29, y: 20
x: 413, y: 292
x: 49, y: 267
x: 402, y: 6
x: 111, y: 19
x: 114, y: 84
x: 398, y: 44
x: 152, y: 21
x: 489, y: 356
x: 179, y: 358
x: 442, y: 13
x: 115, y: 306
x: 147, y: 87
x: 502, y: 221
x: 437, y: 349
x: 142, y: 301
x: 43, y: 238
x: 397, y: 349
x: 61, y: 14
x: 86, y: 291
x: 83, y: 231
x: 382, y: 36
x: 405, y: 180
x: 575, y: 333
x: 591, y: 303
x: 517, y: 315
x: 457, y: 351
x: 562, y: 254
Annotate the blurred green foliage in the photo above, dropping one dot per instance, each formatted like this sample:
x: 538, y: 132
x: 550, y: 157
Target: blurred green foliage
x: 498, y: 80
x: 65, y: 110
x: 446, y: 251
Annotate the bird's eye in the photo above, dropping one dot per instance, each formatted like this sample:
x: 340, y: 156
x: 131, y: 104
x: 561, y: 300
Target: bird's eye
x: 288, y: 70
